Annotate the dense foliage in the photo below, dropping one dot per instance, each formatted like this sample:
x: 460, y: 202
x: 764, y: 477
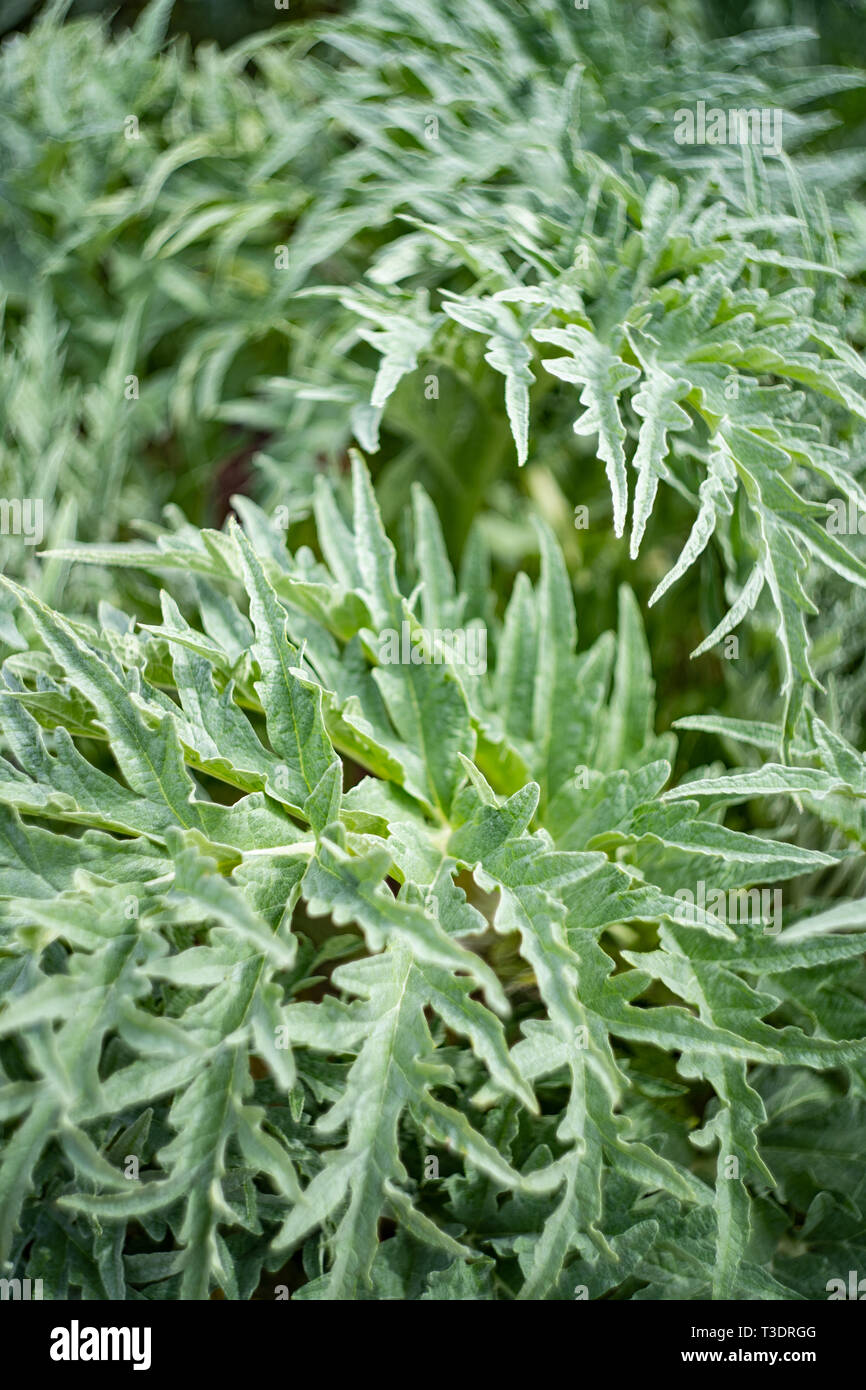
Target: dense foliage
x: 366, y: 932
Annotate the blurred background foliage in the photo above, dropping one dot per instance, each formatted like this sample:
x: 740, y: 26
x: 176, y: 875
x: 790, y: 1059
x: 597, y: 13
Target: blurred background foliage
x: 152, y: 258
x: 226, y: 21
x: 223, y: 21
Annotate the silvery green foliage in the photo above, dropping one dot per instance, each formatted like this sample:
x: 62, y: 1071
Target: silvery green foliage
x: 689, y: 297
x: 282, y: 921
x: 491, y: 194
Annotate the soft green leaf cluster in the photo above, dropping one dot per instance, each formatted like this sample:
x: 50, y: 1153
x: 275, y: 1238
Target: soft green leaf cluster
x: 283, y: 920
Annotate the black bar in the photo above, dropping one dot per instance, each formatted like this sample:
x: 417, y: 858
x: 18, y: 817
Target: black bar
x: 646, y: 1337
